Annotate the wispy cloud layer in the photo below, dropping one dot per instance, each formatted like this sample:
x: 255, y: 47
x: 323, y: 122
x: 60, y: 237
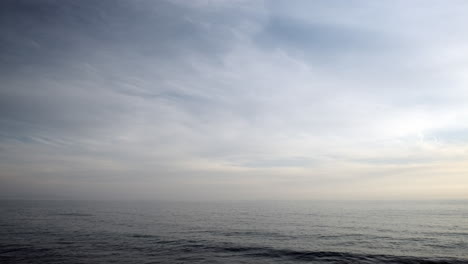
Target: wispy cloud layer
x: 233, y: 99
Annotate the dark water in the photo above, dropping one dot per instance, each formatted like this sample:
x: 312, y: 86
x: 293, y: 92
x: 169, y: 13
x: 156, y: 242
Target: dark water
x: 237, y: 232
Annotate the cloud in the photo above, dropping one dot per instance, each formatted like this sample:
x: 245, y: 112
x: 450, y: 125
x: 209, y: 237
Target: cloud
x: 266, y: 100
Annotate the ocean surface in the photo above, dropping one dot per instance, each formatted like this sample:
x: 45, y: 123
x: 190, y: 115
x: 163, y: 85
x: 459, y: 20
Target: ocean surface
x: 233, y: 232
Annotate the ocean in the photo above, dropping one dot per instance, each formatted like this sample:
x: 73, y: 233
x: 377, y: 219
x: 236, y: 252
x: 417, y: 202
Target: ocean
x: 233, y: 232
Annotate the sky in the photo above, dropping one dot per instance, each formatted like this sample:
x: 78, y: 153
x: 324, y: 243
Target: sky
x: 233, y: 100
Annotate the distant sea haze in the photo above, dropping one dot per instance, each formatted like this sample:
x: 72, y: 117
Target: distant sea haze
x: 233, y: 232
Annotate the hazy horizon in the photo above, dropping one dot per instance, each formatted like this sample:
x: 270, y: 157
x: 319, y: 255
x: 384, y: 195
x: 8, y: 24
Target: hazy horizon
x: 234, y: 100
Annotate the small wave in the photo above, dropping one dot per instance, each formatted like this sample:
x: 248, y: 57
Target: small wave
x: 75, y: 214
x: 249, y: 233
x: 23, y: 248
x: 143, y: 236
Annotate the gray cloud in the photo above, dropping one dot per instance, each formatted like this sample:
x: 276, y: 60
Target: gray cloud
x: 318, y: 40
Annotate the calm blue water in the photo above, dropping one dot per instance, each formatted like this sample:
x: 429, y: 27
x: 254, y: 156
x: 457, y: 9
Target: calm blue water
x: 237, y: 232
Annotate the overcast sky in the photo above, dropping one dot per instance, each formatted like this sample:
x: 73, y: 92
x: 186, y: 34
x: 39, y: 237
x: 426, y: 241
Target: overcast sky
x: 233, y: 99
